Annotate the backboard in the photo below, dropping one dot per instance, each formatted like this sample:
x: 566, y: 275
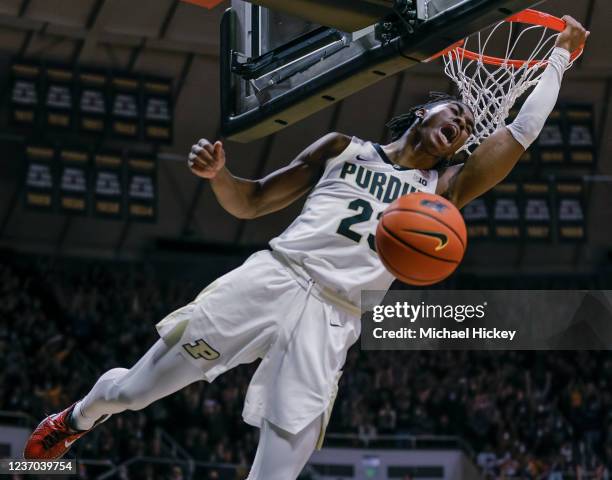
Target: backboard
x: 283, y: 61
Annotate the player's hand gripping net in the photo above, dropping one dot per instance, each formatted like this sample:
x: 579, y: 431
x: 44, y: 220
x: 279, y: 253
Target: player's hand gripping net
x: 491, y: 85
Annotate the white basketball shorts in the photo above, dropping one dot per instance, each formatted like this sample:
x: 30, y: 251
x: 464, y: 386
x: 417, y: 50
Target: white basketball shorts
x: 268, y: 308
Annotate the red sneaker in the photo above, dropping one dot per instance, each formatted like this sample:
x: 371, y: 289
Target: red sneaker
x: 53, y: 437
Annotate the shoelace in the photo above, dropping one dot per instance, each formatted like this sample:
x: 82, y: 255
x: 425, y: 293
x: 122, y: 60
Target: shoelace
x: 55, y: 437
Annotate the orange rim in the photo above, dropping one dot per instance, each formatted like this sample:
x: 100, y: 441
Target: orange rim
x: 454, y: 46
x: 529, y: 16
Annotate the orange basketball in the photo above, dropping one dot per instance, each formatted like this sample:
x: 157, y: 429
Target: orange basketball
x: 421, y: 238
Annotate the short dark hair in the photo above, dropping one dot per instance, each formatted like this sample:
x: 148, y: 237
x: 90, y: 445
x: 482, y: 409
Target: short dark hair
x: 398, y: 125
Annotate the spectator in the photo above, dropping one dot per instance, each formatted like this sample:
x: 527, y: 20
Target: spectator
x: 60, y: 327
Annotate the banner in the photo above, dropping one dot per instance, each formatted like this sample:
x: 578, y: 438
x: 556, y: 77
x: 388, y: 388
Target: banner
x: 537, y: 216
x: 506, y: 212
x: 529, y: 211
x: 108, y: 185
x: 478, y: 219
x: 142, y: 188
x: 551, y: 142
x: 40, y: 178
x: 74, y: 181
x: 25, y: 86
x: 580, y: 139
x: 125, y: 107
x: 158, y: 111
x: 106, y: 104
x: 571, y: 222
x: 59, y: 95
x: 92, y: 108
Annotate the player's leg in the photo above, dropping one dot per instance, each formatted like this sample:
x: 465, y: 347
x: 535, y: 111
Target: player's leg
x: 282, y: 455
x: 159, y: 373
x: 207, y: 337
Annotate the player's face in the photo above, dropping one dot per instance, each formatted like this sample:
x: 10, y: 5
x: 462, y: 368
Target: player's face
x: 445, y: 128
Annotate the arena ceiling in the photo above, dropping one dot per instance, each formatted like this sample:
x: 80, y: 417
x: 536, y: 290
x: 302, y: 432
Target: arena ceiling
x: 179, y: 40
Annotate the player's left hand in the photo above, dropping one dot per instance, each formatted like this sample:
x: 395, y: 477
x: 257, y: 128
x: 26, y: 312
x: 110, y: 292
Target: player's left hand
x: 574, y: 36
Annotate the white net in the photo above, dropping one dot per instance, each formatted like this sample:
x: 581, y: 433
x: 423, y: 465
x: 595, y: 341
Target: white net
x: 491, y: 90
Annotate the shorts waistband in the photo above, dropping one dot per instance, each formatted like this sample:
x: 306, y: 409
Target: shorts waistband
x: 322, y: 292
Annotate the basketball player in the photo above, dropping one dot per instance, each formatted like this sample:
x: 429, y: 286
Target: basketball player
x: 297, y: 306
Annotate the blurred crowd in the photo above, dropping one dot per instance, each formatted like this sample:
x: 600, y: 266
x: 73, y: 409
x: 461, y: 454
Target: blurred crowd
x: 532, y: 415
x: 61, y: 328
x: 526, y: 414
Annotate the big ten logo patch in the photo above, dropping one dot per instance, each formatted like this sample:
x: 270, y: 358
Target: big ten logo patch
x: 201, y: 349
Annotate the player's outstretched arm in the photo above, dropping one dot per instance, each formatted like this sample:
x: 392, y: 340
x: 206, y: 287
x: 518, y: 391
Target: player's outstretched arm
x: 253, y: 198
x: 493, y: 160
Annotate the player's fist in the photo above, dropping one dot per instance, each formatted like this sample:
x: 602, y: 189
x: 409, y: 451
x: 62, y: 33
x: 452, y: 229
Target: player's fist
x: 206, y: 159
x: 574, y: 36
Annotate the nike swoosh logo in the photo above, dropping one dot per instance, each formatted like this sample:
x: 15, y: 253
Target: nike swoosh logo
x: 440, y: 237
x: 68, y: 444
x: 359, y: 157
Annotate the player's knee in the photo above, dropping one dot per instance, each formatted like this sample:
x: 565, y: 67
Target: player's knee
x: 122, y: 392
x: 113, y: 375
x: 128, y: 398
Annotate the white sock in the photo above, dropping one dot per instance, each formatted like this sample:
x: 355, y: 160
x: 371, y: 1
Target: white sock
x: 80, y: 422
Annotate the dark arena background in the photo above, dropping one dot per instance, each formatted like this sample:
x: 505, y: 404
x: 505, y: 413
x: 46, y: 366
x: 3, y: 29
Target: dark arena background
x: 104, y: 231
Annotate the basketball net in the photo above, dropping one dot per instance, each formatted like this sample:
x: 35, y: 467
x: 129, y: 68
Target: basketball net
x: 489, y: 85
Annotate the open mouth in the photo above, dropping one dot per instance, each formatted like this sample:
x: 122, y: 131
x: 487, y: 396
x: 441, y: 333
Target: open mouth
x: 450, y: 132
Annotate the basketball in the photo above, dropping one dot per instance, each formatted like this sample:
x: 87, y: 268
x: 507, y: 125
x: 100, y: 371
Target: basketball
x: 421, y: 238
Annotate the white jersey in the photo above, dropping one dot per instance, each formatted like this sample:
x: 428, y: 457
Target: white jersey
x: 333, y: 238
x: 304, y: 337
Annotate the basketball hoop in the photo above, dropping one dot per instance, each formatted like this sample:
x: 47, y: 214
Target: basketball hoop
x: 490, y: 85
